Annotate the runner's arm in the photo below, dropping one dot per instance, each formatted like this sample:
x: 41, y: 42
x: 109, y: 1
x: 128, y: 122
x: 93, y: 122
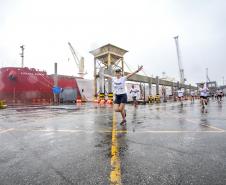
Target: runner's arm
x: 107, y: 76
x: 131, y: 74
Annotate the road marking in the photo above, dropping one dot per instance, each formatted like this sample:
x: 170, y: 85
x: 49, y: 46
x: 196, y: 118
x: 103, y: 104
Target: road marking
x: 5, y: 130
x: 172, y: 104
x: 182, y: 131
x: 59, y: 130
x: 193, y: 121
x: 209, y: 126
x: 110, y: 131
x: 115, y: 175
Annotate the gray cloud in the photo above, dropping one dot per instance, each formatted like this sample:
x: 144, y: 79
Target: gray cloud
x: 145, y: 28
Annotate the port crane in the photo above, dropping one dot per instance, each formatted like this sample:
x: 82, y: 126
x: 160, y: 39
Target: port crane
x: 207, y: 76
x: 181, y: 70
x: 78, y: 60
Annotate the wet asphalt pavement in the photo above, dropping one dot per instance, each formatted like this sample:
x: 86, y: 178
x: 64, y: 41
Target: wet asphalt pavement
x: 163, y: 144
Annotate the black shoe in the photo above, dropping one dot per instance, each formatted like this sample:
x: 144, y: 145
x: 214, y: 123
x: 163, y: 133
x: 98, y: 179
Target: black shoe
x: 123, y: 122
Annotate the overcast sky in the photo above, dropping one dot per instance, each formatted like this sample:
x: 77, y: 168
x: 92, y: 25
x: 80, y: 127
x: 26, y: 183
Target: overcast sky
x: 145, y: 28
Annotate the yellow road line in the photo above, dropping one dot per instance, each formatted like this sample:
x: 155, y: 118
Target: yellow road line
x: 115, y: 175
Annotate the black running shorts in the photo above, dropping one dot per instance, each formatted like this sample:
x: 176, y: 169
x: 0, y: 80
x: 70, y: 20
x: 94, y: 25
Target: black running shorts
x: 203, y: 97
x: 120, y: 98
x: 134, y: 98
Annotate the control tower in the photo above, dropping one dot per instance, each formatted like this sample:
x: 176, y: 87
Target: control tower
x: 106, y: 59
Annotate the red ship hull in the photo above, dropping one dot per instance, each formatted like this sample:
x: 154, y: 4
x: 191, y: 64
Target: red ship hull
x: 24, y: 85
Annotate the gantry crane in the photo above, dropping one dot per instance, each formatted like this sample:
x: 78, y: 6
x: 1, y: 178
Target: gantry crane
x: 181, y: 70
x: 78, y: 61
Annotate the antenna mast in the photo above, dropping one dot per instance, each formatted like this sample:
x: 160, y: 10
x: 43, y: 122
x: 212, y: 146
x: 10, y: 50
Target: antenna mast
x: 22, y: 55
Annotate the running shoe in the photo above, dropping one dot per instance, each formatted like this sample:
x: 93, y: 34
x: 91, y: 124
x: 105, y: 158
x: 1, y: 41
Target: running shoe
x: 123, y: 122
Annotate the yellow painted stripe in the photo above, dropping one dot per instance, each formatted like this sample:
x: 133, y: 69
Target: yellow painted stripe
x: 115, y: 175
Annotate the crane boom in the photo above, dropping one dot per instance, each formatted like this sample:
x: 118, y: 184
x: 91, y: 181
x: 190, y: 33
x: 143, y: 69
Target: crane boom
x: 181, y: 70
x: 74, y: 54
x: 79, y: 62
x: 207, y: 76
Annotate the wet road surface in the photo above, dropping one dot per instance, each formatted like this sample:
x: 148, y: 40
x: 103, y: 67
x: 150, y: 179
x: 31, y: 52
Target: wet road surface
x: 84, y: 144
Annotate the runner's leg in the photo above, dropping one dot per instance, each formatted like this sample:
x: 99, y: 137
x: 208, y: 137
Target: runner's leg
x: 202, y: 102
x: 122, y: 110
x: 206, y: 101
x: 135, y: 101
x: 116, y: 107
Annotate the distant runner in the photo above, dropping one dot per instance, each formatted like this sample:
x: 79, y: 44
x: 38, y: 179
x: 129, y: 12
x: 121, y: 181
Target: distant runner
x: 134, y: 93
x: 180, y: 95
x: 219, y: 95
x: 192, y: 96
x: 203, y: 95
x: 119, y: 83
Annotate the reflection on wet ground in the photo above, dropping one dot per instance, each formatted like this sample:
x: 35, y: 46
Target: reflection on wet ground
x: 69, y: 144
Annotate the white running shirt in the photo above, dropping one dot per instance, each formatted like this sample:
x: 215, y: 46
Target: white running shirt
x: 203, y: 91
x: 219, y: 92
x: 192, y: 93
x: 180, y: 93
x: 119, y: 85
x: 134, y: 92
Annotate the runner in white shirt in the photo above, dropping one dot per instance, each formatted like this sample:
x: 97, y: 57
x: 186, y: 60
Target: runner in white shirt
x: 134, y: 92
x: 219, y: 95
x: 120, y: 91
x: 203, y: 95
x: 180, y: 95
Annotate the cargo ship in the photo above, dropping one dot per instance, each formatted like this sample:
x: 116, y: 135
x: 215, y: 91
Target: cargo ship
x: 29, y: 85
